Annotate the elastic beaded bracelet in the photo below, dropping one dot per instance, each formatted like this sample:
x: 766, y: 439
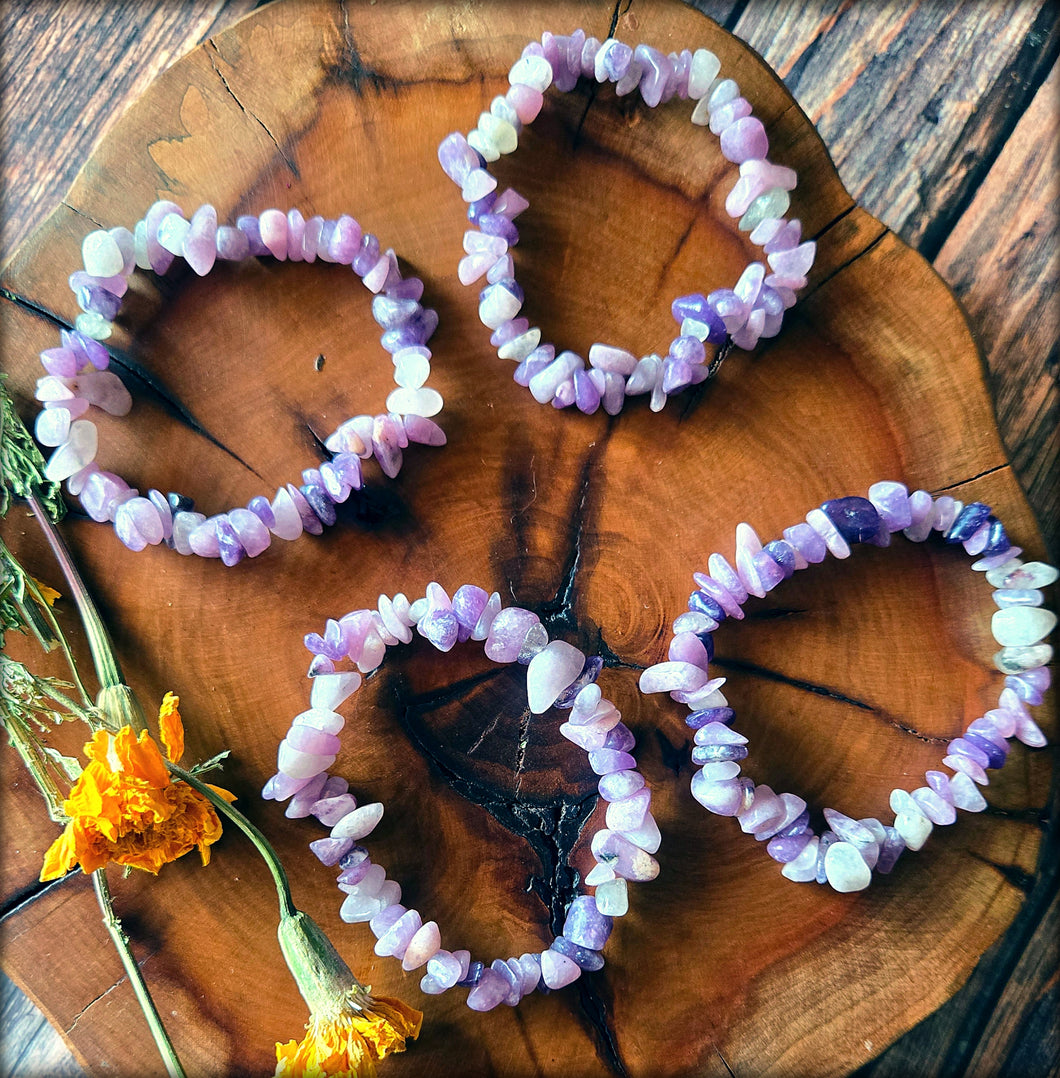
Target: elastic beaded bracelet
x: 753, y: 308
x: 558, y: 675
x: 847, y: 851
x: 78, y: 376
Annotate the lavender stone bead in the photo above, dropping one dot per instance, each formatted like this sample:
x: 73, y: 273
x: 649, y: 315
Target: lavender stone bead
x: 99, y: 301
x: 696, y: 306
x: 457, y: 158
x: 490, y: 989
x: 618, y: 785
x: 891, y: 501
x: 441, y: 628
x: 512, y: 977
x: 587, y: 958
x: 231, y: 549
x: 710, y: 754
x: 744, y: 140
x: 604, y: 761
x: 496, y: 224
x: 468, y: 603
x: 701, y: 602
x: 855, y: 518
x: 329, y: 851
x: 507, y: 633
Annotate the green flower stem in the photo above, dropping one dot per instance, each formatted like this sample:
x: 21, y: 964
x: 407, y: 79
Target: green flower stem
x: 261, y: 843
x: 115, y: 698
x: 143, y: 996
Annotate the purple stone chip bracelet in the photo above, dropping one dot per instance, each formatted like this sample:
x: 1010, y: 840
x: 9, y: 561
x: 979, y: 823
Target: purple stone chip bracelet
x: 558, y: 675
x: 753, y: 308
x: 846, y: 852
x: 78, y: 376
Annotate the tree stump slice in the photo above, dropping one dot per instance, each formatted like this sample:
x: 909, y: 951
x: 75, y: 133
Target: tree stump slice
x: 848, y: 680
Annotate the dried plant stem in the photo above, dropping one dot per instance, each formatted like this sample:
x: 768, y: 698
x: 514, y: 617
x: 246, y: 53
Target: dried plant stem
x: 139, y: 986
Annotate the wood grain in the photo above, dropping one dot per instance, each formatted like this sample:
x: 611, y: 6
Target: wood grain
x: 578, y: 499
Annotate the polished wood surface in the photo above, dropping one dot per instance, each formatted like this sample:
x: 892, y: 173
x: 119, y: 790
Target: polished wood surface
x: 941, y: 140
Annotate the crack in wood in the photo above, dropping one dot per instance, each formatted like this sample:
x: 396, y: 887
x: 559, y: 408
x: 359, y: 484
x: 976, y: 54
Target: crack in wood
x: 350, y: 69
x: 210, y: 48
x: 1013, y: 874
x: 745, y: 667
x: 25, y: 897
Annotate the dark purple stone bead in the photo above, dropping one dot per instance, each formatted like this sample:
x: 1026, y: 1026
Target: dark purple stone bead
x: 698, y: 719
x: 87, y: 349
x: 481, y: 206
x: 620, y: 737
x: 855, y: 518
x: 474, y: 975
x: 232, y: 550
x: 590, y: 672
x: 409, y: 288
x: 707, y: 640
x: 367, y: 254
x: 99, y: 300
x: 585, y: 925
x: 584, y: 957
x: 496, y: 224
x: 319, y: 502
x: 179, y: 503
x: 963, y: 747
x: 696, y: 306
x: 260, y: 506
x: 997, y: 540
x: 785, y: 848
x: 890, y: 850
x: 712, y: 754
x: 701, y: 602
x: 251, y: 228
x: 968, y: 522
x: 783, y: 554
x: 417, y: 330
x: 996, y: 755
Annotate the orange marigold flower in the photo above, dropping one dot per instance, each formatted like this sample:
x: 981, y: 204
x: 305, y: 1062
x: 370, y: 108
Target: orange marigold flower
x: 349, y: 1028
x: 126, y: 808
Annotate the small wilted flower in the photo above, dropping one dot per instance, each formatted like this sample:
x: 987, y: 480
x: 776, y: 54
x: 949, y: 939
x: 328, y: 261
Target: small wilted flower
x: 126, y: 808
x: 348, y: 1028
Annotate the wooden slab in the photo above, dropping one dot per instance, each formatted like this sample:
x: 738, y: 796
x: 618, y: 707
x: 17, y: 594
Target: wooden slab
x: 596, y: 524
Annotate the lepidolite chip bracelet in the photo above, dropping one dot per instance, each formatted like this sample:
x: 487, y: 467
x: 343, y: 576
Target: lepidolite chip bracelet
x: 753, y: 308
x: 558, y: 675
x: 78, y: 376
x: 847, y: 851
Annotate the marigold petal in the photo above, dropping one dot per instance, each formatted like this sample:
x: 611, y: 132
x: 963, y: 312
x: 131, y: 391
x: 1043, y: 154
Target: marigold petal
x: 331, y: 1048
x: 387, y: 1023
x: 170, y: 727
x: 48, y: 594
x: 98, y: 748
x: 59, y: 857
x: 140, y: 757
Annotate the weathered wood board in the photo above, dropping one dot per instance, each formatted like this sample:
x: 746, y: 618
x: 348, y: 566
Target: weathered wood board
x: 597, y: 524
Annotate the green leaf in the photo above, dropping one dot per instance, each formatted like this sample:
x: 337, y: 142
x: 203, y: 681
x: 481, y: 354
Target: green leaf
x: 21, y: 464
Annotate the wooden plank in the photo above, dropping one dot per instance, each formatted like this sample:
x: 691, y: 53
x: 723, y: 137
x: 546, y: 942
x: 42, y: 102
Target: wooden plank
x: 1000, y: 260
x: 536, y: 574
